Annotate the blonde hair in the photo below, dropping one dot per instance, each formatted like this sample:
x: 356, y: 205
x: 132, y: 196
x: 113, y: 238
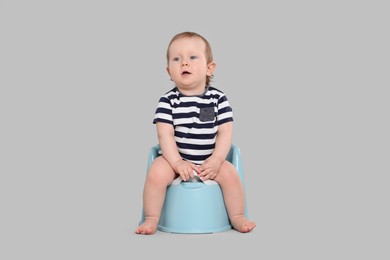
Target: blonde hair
x: 187, y: 35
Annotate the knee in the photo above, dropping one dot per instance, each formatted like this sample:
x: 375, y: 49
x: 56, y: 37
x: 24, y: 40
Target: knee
x: 228, y: 174
x: 153, y: 177
x: 157, y: 178
x: 159, y: 175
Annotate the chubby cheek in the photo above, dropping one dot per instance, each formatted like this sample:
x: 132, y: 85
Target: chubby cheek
x: 171, y: 72
x: 175, y: 72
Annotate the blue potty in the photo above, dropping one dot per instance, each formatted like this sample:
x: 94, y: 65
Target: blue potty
x: 194, y: 207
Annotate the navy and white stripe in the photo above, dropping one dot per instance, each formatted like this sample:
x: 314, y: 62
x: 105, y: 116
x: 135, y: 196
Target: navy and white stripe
x: 195, y: 135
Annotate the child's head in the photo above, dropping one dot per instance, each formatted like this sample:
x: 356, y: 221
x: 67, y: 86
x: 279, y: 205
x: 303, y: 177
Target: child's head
x: 200, y: 44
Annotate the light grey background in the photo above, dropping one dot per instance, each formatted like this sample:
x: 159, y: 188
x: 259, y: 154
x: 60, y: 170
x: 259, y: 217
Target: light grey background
x: 308, y: 83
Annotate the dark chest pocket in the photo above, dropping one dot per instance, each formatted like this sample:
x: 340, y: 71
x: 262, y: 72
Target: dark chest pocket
x: 206, y: 114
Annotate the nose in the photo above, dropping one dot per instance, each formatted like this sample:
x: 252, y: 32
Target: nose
x: 184, y: 63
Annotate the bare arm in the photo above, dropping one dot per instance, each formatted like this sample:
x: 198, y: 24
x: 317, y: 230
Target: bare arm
x: 166, y: 138
x: 210, y: 167
x: 224, y: 141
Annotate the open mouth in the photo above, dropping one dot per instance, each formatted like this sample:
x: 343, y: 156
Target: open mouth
x: 186, y: 73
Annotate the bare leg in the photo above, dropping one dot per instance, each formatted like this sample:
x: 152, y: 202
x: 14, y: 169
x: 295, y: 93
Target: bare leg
x: 159, y: 177
x: 234, y: 196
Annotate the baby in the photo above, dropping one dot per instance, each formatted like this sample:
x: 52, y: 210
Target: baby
x: 194, y: 126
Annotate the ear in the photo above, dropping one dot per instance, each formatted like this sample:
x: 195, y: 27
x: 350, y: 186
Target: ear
x: 168, y: 71
x: 210, y: 68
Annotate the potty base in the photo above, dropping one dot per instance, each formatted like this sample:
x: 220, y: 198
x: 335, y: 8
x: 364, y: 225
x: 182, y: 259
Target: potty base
x: 193, y: 207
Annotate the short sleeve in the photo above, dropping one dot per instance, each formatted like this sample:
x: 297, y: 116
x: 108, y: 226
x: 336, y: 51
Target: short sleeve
x: 225, y: 112
x: 163, y: 111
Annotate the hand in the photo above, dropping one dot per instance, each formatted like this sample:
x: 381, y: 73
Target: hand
x: 185, y: 169
x: 210, y: 168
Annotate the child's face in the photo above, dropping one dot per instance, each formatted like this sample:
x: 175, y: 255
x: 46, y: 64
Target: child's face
x: 187, y: 65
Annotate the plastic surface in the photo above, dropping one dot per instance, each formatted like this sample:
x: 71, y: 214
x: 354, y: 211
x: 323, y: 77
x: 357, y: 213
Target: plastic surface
x: 193, y: 207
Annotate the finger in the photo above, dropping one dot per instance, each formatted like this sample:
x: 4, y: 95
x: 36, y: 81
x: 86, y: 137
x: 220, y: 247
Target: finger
x: 188, y: 173
x: 205, y: 177
x: 196, y: 169
x: 183, y: 175
x: 205, y: 172
x: 192, y: 173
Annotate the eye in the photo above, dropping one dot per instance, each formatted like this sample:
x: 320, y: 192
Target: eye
x: 175, y: 59
x: 193, y: 57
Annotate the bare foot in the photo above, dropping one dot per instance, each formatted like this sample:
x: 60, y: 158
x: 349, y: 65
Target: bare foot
x: 149, y: 227
x: 241, y: 224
